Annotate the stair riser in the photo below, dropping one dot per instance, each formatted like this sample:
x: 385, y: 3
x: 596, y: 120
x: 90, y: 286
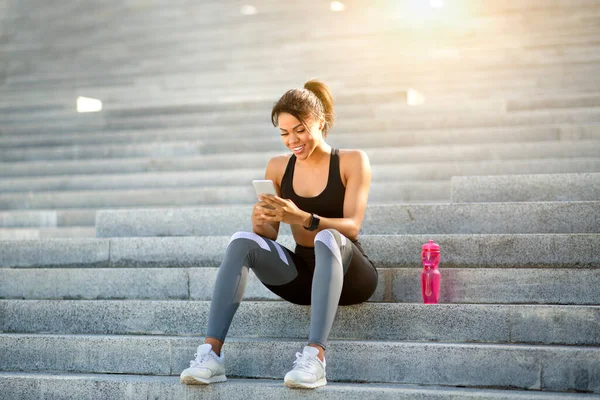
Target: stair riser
x: 515, y: 367
x: 509, y: 286
x: 563, y: 325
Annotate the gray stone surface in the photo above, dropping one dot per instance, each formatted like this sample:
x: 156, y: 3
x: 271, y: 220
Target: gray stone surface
x: 76, y: 217
x: 434, y: 171
x: 540, y: 286
x: 400, y: 219
x: 31, y: 386
x: 536, y: 324
x: 341, y: 139
x: 553, y: 324
x: 457, y: 120
x: 573, y: 368
x: 554, y: 103
x: 19, y: 233
x: 437, y: 169
x: 67, y: 253
x: 386, y: 154
x: 487, y: 250
x: 28, y: 219
x: 173, y: 222
x: 543, y: 187
x: 490, y: 286
x: 458, y: 251
x: 516, y: 366
x: 74, y: 232
x: 168, y: 251
x: 47, y: 233
x: 94, y: 283
x: 82, y: 353
x: 203, y: 195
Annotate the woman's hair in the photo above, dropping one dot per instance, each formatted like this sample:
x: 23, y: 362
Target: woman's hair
x: 311, y: 103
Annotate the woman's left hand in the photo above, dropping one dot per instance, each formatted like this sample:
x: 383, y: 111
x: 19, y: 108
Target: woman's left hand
x: 284, y: 210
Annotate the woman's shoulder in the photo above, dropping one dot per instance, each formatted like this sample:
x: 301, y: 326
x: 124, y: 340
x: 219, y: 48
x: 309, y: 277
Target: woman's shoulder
x: 280, y: 160
x: 276, y: 167
x: 353, y: 163
x: 353, y: 156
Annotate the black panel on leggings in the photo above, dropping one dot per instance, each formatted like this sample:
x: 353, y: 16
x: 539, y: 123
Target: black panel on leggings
x: 360, y: 279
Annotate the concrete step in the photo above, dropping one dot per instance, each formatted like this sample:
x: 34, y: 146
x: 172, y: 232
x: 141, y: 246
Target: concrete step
x: 558, y: 102
x: 47, y: 233
x: 348, y: 139
x: 386, y: 251
x: 536, y: 80
x: 482, y: 119
x: 163, y: 18
x: 214, y: 93
x: 32, y: 386
x: 398, y: 219
x: 380, y: 192
x: 515, y: 366
x: 348, y: 105
x: 378, y: 153
x: 534, y: 324
x: 456, y: 62
x: 434, y: 171
x: 462, y: 92
x: 250, y: 51
x: 459, y: 153
x: 28, y: 219
x: 459, y: 285
x: 138, y: 30
x: 248, y: 48
x: 252, y: 54
x: 544, y: 187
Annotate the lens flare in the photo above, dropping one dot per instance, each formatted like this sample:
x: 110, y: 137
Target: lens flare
x: 337, y: 6
x: 87, y: 104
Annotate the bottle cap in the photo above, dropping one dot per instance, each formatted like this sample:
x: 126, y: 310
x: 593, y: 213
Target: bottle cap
x: 431, y: 247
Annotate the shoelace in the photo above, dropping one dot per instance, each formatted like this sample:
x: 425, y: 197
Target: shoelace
x: 198, y: 361
x: 303, y: 363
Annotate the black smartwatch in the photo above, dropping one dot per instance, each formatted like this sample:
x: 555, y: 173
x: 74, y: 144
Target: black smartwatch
x: 314, y: 222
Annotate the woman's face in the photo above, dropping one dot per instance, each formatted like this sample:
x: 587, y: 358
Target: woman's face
x: 297, y: 138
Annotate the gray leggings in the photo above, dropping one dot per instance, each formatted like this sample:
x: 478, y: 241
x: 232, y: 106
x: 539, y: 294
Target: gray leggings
x: 336, y: 272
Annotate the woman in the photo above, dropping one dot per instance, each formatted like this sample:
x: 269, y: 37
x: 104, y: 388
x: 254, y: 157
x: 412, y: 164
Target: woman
x: 322, y: 194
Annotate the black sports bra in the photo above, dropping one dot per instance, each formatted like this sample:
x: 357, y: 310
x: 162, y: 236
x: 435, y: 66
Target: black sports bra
x: 330, y: 202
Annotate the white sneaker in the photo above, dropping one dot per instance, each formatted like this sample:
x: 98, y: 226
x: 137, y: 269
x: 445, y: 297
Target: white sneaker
x: 308, y: 372
x: 207, y: 368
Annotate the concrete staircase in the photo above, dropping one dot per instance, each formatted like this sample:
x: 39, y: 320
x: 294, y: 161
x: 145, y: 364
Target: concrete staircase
x: 113, y: 224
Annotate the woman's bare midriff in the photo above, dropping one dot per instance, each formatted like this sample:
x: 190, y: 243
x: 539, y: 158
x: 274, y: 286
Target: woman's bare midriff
x: 302, y: 236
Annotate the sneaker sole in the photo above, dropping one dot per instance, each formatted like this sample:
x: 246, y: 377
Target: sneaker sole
x: 300, y: 385
x: 190, y: 380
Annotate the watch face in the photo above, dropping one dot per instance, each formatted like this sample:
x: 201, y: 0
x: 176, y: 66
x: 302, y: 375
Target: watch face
x: 314, y: 223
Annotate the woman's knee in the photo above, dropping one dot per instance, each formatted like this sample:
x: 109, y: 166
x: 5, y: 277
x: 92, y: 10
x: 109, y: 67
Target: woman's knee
x: 336, y: 244
x: 247, y: 240
x: 243, y: 245
x: 329, y: 237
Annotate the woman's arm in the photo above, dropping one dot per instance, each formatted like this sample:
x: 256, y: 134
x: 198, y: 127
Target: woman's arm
x: 260, y: 225
x: 355, y: 201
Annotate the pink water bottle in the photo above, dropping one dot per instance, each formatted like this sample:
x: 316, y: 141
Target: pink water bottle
x: 430, y: 277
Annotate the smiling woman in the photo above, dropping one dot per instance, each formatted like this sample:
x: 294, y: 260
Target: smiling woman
x: 322, y: 194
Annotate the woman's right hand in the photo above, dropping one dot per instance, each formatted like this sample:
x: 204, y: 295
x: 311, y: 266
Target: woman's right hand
x: 257, y: 213
x: 260, y: 225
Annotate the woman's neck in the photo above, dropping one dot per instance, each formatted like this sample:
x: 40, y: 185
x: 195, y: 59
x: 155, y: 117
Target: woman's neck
x: 321, y: 152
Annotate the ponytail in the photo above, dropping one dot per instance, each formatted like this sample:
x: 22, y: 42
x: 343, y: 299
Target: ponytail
x: 324, y: 95
x: 313, y: 102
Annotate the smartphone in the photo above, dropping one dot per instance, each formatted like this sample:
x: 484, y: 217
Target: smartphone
x: 264, y: 186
